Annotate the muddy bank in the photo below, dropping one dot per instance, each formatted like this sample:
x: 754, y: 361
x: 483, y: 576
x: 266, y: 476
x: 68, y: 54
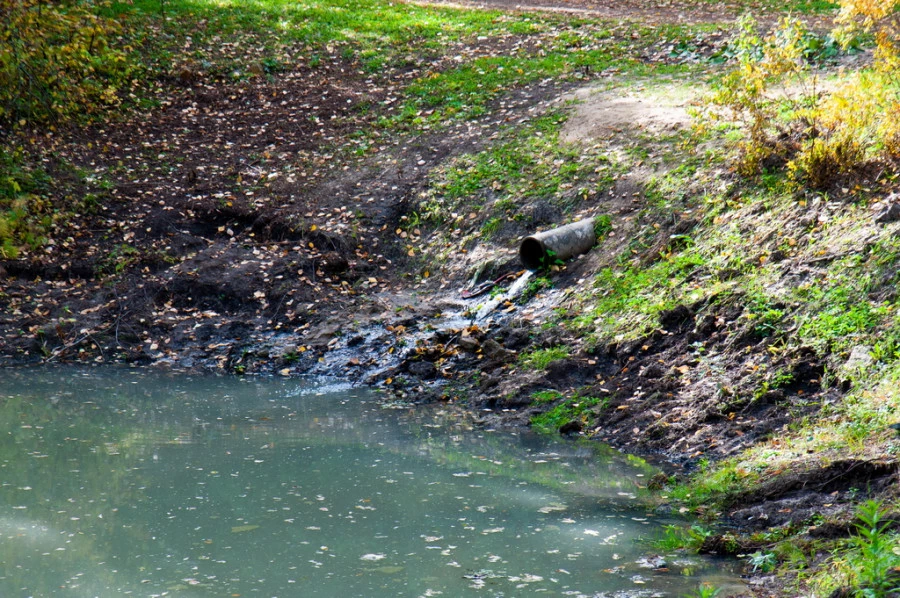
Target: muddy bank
x: 238, y: 261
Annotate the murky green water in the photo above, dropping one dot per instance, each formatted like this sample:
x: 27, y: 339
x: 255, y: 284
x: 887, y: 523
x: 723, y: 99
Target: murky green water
x: 118, y: 482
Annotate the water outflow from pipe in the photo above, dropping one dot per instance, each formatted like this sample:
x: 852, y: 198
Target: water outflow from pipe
x: 514, y: 291
x: 543, y: 249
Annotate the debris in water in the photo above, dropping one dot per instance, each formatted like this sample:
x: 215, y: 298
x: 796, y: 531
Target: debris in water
x: 372, y: 556
x: 237, y: 529
x: 552, y: 507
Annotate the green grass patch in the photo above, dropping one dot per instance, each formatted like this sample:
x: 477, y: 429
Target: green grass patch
x: 866, y: 562
x: 539, y: 359
x: 791, y: 7
x: 630, y: 298
x: 527, y: 163
x: 840, y: 311
x: 534, y: 286
x: 234, y: 40
x: 714, y: 484
x: 490, y: 227
x: 543, y: 397
x: 369, y: 24
x: 602, y: 226
x: 680, y: 537
x: 573, y: 409
x: 761, y: 308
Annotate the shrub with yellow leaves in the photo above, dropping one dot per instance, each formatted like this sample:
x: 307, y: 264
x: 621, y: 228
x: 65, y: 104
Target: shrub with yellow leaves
x: 772, y: 74
x: 878, y: 17
x: 789, y: 121
x: 57, y: 60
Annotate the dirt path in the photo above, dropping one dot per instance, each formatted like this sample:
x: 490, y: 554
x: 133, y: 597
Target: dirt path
x: 671, y: 12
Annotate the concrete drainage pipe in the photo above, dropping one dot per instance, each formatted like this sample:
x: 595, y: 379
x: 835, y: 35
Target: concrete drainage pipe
x: 543, y: 249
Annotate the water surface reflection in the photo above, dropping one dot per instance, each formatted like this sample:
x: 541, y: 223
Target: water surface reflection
x: 119, y: 482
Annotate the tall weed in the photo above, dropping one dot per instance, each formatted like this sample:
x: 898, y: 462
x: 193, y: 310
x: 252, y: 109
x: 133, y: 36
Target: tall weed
x: 875, y: 559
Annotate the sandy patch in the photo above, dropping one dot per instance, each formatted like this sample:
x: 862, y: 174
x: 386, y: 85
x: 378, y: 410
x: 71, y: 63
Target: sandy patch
x: 605, y: 113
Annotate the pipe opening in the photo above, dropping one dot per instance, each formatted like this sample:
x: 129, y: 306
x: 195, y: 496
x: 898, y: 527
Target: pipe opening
x: 532, y: 253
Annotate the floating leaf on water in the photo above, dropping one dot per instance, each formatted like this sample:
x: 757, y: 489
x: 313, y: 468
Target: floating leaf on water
x: 527, y: 578
x: 237, y: 529
x: 552, y: 507
x: 372, y: 556
x: 551, y: 528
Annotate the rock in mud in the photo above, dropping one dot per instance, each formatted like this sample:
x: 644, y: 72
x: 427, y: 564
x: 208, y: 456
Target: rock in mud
x: 422, y: 369
x: 860, y: 358
x: 324, y: 334
x: 890, y: 212
x: 652, y: 562
x: 495, y: 351
x: 570, y: 428
x: 675, y: 318
x: 468, y: 343
x: 488, y: 382
x: 653, y: 371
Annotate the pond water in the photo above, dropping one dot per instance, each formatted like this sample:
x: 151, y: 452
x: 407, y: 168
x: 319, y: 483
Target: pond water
x: 122, y: 482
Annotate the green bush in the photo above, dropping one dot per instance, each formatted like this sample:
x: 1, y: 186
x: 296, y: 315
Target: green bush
x: 24, y: 214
